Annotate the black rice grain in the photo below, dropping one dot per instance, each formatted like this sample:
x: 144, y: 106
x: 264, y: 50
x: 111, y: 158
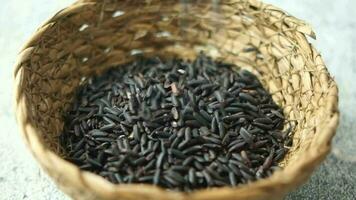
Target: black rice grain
x: 177, y: 124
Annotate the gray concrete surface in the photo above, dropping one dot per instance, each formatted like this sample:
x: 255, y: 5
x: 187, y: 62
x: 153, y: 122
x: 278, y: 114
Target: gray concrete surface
x: 335, y: 25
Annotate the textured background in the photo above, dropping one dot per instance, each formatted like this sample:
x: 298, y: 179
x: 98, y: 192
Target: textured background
x: 333, y: 21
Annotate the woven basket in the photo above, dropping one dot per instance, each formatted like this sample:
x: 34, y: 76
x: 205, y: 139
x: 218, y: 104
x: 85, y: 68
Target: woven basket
x: 90, y: 37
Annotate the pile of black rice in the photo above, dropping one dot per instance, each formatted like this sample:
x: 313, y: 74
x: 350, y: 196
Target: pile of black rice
x: 178, y: 124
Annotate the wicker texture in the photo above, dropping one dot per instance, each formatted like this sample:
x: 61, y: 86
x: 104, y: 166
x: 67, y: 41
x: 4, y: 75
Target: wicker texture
x: 91, y: 36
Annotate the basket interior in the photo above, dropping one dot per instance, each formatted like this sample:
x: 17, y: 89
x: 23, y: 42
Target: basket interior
x: 90, y: 38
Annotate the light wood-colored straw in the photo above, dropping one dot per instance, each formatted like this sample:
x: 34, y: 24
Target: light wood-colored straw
x: 90, y: 37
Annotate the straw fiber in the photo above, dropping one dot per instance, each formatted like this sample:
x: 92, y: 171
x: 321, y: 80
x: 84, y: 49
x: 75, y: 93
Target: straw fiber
x: 90, y: 37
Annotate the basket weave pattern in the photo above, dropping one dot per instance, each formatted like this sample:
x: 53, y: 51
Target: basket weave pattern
x: 90, y: 37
